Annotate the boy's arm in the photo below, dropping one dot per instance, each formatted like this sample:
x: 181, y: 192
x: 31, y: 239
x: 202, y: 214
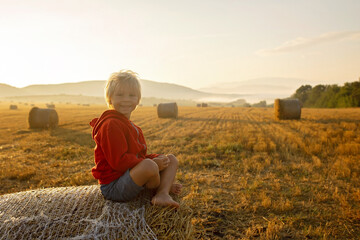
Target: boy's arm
x: 115, y: 147
x: 142, y: 140
x: 151, y: 156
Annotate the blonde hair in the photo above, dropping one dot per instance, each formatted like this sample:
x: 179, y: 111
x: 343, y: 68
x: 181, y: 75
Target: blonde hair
x: 122, y: 79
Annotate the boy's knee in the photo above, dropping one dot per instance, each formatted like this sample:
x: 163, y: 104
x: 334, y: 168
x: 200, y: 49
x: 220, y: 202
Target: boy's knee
x: 173, y: 159
x: 150, y: 167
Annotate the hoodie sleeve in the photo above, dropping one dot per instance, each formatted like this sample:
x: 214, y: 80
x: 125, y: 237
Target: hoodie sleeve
x: 142, y: 138
x: 115, y: 148
x: 151, y: 156
x: 93, y: 122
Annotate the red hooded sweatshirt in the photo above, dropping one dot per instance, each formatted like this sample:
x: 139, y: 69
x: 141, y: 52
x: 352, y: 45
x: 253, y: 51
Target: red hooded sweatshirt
x: 120, y: 145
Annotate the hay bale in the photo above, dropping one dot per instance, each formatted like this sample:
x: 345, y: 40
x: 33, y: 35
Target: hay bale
x: 167, y: 110
x: 43, y: 118
x: 287, y: 109
x: 70, y: 213
x: 13, y: 107
x: 82, y: 213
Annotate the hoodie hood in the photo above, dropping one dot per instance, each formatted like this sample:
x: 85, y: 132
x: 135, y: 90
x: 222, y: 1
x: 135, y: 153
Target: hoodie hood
x: 97, y: 122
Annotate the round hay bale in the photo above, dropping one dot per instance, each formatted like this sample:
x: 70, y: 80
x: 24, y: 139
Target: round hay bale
x: 287, y: 109
x: 43, y: 118
x: 13, y: 107
x: 167, y: 110
x: 71, y: 213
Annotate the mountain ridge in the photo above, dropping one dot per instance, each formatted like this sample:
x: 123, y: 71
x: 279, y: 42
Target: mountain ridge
x: 253, y: 90
x: 95, y: 88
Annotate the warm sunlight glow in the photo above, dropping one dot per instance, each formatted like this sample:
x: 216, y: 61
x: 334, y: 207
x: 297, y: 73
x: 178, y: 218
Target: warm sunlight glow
x: 211, y: 43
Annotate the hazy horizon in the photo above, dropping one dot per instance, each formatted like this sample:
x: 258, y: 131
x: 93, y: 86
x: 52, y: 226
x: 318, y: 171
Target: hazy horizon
x: 252, y: 91
x: 193, y: 44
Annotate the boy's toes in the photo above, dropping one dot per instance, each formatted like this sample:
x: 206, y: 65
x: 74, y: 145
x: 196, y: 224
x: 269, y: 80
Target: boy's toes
x: 164, y: 200
x: 176, y: 188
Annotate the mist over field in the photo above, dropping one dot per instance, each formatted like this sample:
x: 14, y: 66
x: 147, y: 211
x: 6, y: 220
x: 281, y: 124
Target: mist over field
x: 249, y: 91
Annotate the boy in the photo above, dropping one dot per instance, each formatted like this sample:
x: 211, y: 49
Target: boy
x: 122, y: 166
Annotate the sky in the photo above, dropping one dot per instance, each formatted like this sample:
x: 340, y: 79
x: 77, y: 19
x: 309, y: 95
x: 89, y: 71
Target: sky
x: 197, y: 43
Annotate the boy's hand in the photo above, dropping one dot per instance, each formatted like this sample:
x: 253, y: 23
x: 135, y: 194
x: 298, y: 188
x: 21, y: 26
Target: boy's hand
x: 162, y: 161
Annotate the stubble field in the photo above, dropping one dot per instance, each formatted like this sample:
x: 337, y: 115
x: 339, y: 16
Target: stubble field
x: 245, y: 175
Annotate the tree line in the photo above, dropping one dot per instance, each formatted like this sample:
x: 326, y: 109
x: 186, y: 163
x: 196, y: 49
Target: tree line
x: 329, y: 96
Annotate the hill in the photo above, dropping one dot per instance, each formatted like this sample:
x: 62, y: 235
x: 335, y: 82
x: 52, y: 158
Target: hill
x: 7, y: 90
x: 150, y: 89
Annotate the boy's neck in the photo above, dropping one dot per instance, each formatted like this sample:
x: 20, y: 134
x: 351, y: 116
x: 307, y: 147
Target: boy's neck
x: 127, y: 116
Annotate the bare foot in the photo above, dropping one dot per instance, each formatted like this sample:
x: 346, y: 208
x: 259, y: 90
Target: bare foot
x: 176, y: 188
x: 163, y: 199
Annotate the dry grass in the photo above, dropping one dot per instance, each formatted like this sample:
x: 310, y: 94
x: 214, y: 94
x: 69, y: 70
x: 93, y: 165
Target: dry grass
x: 245, y: 175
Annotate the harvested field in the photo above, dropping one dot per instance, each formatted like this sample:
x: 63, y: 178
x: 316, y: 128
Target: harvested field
x: 245, y: 174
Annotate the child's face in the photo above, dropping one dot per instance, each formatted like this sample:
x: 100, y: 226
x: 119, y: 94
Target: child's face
x: 124, y: 101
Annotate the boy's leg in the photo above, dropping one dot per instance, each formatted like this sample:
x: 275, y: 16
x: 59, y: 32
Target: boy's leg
x: 167, y: 177
x: 146, y: 173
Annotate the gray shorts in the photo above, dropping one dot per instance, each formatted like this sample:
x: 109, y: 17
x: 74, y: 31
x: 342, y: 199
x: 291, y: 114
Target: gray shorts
x: 122, y: 189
